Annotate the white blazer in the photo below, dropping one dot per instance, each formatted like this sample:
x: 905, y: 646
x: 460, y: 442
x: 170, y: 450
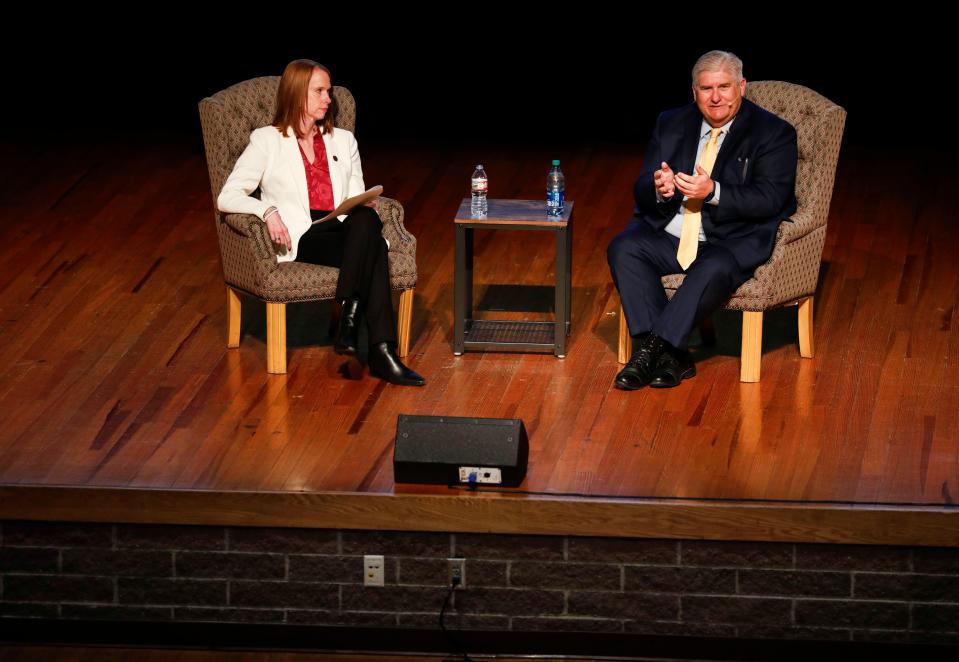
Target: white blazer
x: 273, y: 163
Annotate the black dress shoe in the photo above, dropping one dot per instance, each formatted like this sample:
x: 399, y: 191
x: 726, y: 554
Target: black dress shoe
x: 673, y: 367
x: 387, y: 365
x: 639, y: 371
x: 348, y: 337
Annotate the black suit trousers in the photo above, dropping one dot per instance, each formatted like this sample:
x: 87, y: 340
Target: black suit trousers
x: 357, y: 248
x: 640, y: 256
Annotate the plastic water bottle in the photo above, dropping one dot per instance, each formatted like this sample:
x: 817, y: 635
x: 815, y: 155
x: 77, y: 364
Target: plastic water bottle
x: 480, y: 186
x: 555, y: 190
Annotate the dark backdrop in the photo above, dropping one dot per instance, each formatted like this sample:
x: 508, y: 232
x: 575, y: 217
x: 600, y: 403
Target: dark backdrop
x: 599, y: 76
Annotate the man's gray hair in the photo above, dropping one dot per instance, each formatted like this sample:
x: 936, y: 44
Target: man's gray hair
x: 716, y: 60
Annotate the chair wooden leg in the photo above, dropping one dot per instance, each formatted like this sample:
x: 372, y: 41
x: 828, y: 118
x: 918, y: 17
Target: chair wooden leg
x: 276, y: 338
x: 625, y: 341
x: 233, y: 318
x: 752, y: 352
x: 404, y: 320
x: 707, y: 331
x: 336, y: 311
x: 807, y: 344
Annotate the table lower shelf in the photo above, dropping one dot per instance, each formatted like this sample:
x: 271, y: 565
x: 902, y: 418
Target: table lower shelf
x: 510, y: 334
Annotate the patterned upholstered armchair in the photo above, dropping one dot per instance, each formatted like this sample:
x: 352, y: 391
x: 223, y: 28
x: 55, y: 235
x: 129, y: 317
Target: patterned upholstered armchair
x: 791, y: 274
x: 249, y: 260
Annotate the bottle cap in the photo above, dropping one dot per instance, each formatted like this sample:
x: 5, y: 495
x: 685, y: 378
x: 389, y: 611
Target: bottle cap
x: 555, y: 162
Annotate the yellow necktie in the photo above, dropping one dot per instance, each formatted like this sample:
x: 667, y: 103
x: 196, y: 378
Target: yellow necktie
x: 693, y: 217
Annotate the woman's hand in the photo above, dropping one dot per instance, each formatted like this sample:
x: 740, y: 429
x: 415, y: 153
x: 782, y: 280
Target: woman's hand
x: 278, y: 232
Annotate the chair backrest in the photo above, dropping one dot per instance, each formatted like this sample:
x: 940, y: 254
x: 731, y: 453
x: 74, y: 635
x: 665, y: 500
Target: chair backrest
x: 228, y: 117
x: 819, y: 125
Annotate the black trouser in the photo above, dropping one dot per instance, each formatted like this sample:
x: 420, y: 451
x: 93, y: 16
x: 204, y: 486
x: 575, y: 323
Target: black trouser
x: 357, y: 248
x: 639, y: 256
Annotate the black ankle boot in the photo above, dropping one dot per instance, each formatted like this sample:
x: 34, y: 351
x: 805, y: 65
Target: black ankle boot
x: 384, y: 363
x: 348, y: 337
x: 673, y: 367
x: 639, y: 370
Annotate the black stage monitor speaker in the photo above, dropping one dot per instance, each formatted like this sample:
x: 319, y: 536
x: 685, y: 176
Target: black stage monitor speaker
x: 453, y: 449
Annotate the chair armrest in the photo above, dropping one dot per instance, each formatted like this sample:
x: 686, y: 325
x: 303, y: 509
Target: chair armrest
x: 797, y: 226
x: 391, y: 213
x: 252, y: 227
x: 239, y: 222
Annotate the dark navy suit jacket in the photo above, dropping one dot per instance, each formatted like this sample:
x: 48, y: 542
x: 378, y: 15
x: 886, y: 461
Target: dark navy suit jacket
x: 755, y: 168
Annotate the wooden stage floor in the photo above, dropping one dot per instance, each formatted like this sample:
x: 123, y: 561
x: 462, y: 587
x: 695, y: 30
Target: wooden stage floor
x: 114, y: 371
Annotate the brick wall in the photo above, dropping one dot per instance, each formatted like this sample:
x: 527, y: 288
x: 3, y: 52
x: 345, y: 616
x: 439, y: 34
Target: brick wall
x: 520, y: 583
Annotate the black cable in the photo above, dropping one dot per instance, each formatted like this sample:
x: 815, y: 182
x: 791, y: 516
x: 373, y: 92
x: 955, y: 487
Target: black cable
x: 453, y: 642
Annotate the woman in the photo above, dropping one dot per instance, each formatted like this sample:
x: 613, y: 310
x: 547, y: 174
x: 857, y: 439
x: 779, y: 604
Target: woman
x: 304, y: 169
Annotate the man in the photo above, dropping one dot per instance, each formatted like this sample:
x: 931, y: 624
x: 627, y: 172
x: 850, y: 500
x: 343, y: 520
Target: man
x: 717, y: 179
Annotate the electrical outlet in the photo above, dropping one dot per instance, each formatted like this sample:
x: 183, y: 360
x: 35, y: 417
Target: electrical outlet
x: 457, y: 569
x: 373, y: 570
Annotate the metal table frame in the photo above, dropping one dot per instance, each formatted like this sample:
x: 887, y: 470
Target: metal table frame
x: 511, y: 334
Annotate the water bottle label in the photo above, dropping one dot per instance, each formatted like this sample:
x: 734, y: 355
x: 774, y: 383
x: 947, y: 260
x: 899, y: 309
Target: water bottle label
x: 555, y: 199
x: 480, y: 185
